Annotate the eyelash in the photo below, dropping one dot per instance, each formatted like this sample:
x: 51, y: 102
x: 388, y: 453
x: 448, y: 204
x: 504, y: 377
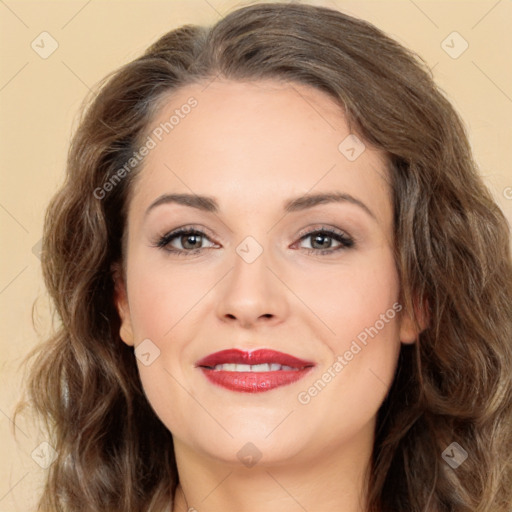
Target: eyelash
x: 345, y: 241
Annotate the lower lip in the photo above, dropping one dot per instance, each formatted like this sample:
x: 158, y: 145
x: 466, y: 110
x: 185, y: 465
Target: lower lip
x: 254, y: 382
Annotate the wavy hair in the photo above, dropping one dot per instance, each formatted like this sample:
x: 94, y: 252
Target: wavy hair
x: 452, y: 247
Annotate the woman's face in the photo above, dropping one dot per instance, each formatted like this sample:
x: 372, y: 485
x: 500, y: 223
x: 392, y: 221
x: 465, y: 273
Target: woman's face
x: 270, y: 267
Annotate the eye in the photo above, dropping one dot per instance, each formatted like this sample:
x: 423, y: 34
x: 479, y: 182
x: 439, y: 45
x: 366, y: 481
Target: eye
x: 321, y: 241
x: 189, y: 241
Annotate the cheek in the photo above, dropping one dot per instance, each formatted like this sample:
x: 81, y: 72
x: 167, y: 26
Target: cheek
x: 353, y: 298
x: 360, y: 307
x: 356, y: 379
x: 161, y: 297
x: 166, y: 307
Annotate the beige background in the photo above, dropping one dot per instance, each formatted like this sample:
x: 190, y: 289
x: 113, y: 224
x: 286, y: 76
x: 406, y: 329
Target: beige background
x: 40, y: 98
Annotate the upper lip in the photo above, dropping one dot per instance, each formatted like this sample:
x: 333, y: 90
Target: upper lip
x: 260, y: 356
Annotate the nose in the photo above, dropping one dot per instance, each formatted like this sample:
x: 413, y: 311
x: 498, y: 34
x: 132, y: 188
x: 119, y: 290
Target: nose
x: 252, y: 293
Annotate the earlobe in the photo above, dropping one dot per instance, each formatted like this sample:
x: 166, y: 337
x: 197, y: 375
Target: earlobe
x: 408, y: 331
x: 121, y: 303
x: 411, y: 329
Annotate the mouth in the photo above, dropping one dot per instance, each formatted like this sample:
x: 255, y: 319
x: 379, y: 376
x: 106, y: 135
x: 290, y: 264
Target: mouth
x: 253, y: 372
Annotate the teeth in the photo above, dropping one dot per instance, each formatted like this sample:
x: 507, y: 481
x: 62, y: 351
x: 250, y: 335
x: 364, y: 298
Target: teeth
x: 258, y: 367
x: 265, y: 367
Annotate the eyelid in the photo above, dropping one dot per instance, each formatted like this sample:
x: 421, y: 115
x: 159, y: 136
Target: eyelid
x: 322, y: 227
x: 186, y: 227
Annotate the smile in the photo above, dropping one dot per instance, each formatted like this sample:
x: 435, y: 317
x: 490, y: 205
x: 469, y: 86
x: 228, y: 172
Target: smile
x: 253, y: 372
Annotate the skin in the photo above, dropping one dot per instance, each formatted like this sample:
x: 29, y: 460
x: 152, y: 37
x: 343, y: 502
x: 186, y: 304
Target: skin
x: 252, y: 146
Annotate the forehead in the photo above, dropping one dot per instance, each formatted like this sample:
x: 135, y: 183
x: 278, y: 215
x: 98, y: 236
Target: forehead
x: 253, y: 144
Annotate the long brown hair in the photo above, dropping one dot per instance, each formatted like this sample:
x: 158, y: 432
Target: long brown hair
x: 452, y: 252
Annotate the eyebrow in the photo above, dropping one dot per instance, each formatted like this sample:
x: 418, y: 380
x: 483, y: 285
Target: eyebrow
x: 209, y: 204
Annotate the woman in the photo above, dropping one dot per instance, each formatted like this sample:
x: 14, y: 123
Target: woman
x: 281, y: 280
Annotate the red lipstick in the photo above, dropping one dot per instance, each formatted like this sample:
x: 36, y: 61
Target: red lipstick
x: 253, y: 372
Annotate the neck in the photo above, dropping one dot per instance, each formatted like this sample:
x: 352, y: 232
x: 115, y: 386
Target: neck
x: 331, y: 482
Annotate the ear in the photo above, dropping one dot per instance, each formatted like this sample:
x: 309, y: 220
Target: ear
x: 411, y: 329
x: 121, y: 303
